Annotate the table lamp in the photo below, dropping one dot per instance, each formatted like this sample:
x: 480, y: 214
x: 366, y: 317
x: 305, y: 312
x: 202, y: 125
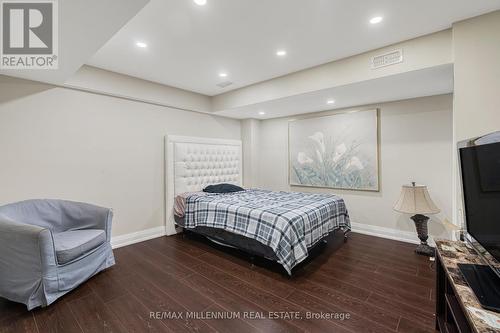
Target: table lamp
x: 415, y: 199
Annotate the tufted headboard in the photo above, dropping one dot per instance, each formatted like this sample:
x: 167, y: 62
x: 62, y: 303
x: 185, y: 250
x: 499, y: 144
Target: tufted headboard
x: 192, y: 163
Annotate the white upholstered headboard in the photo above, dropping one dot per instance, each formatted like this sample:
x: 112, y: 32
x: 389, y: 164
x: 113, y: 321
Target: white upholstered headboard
x: 192, y: 163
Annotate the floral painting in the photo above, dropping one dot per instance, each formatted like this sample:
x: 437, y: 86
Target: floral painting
x: 337, y: 151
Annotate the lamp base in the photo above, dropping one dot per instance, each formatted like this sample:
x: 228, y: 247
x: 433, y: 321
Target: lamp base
x: 425, y: 250
x: 421, y: 226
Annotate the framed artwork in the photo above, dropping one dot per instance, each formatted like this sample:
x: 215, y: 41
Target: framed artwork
x: 335, y: 151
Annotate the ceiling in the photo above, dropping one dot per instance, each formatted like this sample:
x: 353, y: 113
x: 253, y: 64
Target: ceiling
x: 189, y: 45
x: 84, y: 26
x: 426, y: 82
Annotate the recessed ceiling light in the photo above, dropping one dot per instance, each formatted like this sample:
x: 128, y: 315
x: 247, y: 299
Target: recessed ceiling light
x: 330, y: 101
x: 141, y: 44
x: 200, y: 2
x: 376, y: 19
x: 262, y: 113
x: 223, y: 74
x: 281, y: 53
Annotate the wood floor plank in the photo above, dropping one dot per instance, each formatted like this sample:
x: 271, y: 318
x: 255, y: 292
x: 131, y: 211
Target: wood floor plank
x: 373, y: 265
x: 385, y: 254
x: 370, y: 285
x: 232, y: 302
x: 21, y: 323
x: 356, y: 322
x: 229, y: 324
x: 385, y: 246
x: 174, y: 253
x: 324, y: 281
x: 80, y: 292
x: 264, y: 299
x: 94, y: 316
x: 391, y: 262
x: 427, y: 273
x: 185, y: 244
x: 172, y: 267
x: 135, y: 316
x: 171, y: 285
x: 352, y: 305
x: 57, y: 318
x: 407, y: 326
x: 107, y: 286
x: 377, y: 241
x: 413, y: 278
x: 358, y: 261
x: 345, y: 272
x: 402, y: 309
x: 278, y: 288
x: 155, y: 300
x: 386, y: 262
x: 121, y: 268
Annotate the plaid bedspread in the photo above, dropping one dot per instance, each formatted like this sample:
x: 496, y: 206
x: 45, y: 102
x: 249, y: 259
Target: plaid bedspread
x: 288, y: 222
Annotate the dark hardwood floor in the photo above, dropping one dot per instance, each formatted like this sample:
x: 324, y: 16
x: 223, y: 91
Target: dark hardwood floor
x: 381, y: 284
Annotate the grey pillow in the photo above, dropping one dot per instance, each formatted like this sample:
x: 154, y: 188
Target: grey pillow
x: 222, y: 188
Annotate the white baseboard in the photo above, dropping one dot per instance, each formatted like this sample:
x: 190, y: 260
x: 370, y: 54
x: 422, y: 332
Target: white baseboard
x: 389, y: 233
x: 136, y: 237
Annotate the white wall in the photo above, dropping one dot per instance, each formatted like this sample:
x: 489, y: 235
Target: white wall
x: 476, y: 50
x: 89, y: 78
x: 476, y: 110
x: 415, y: 145
x: 250, y: 149
x: 62, y: 143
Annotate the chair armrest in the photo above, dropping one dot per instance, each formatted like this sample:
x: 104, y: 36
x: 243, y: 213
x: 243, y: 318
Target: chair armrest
x: 26, y: 253
x: 80, y: 216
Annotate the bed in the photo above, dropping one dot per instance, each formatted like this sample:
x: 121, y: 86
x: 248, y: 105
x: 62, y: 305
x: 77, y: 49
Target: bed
x: 280, y: 226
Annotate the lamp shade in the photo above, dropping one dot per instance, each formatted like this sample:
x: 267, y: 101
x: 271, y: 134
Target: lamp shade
x: 415, y: 199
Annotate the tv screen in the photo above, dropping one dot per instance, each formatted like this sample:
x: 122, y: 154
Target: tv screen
x: 480, y: 168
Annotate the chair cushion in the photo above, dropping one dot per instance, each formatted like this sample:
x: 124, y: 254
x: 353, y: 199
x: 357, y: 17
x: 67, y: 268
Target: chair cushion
x: 73, y: 244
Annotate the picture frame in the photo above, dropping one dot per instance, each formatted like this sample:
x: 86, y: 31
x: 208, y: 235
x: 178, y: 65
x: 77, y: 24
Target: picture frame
x: 338, y: 150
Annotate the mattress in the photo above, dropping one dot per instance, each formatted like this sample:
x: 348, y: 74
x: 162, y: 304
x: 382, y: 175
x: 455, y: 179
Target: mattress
x: 287, y: 223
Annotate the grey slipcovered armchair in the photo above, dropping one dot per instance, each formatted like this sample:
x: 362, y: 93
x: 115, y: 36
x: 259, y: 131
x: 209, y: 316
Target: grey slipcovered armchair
x: 49, y: 247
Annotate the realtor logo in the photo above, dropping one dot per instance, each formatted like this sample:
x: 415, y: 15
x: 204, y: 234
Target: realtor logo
x: 29, y: 34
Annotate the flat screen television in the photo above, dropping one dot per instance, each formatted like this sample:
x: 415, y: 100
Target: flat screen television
x: 480, y: 175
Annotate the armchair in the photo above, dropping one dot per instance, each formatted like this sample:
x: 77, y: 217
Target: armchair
x: 49, y: 247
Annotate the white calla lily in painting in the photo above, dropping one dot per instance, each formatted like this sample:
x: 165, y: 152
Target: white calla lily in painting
x: 302, y: 158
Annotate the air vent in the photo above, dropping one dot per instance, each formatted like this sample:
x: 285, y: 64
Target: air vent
x: 386, y: 59
x: 224, y: 84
